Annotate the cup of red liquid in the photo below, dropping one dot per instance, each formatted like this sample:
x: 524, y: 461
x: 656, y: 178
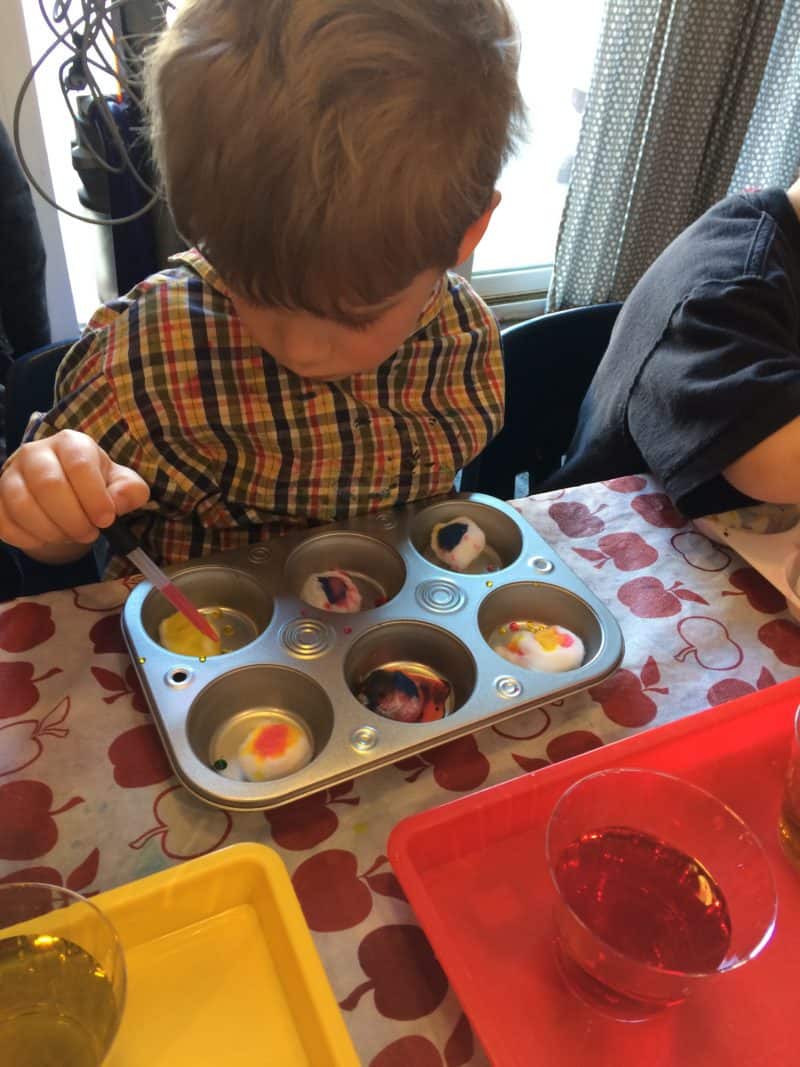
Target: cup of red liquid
x: 659, y: 886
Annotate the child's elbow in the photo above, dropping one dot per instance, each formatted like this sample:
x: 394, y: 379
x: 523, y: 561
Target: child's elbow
x: 770, y: 471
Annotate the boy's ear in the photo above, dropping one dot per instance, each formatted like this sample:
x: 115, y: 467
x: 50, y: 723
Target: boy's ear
x: 469, y: 242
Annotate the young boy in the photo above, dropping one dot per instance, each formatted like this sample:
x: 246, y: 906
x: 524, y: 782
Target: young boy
x: 701, y: 379
x: 310, y: 358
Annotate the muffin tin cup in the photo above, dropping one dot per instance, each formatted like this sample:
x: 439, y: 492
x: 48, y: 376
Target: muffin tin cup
x: 286, y: 658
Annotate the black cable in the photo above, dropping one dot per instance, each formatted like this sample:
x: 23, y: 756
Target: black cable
x: 88, y: 36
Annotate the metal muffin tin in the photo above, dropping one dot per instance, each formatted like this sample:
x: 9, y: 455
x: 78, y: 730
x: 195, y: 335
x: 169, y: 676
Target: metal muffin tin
x: 289, y: 658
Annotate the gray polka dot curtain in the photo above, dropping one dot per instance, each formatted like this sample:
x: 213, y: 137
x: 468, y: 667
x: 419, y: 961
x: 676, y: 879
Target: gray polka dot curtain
x: 688, y: 99
x: 771, y: 151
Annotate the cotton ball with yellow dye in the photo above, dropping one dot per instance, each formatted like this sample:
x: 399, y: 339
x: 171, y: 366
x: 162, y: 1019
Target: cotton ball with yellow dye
x: 538, y: 647
x: 180, y: 636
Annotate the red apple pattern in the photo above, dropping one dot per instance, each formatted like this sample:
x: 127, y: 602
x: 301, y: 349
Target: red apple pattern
x: 460, y: 1047
x: 525, y: 727
x: 733, y: 688
x: 402, y: 973
x: 417, y: 1051
x: 25, y: 626
x: 185, y: 828
x: 109, y: 597
x: 138, y: 758
x: 563, y: 747
x: 334, y: 896
x: 529, y: 763
x: 106, y: 635
x: 783, y: 637
x: 700, y: 551
x: 630, y: 483
x: 658, y: 510
x: 307, y: 822
x: 79, y: 880
x: 118, y: 686
x: 414, y: 1049
x: 575, y: 520
x: 761, y: 594
x: 27, y: 827
x: 87, y: 798
x: 572, y: 744
x: 649, y: 599
x: 629, y: 551
x: 18, y: 687
x: 709, y: 643
x: 458, y: 765
x: 21, y: 742
x: 623, y: 697
x: 330, y: 891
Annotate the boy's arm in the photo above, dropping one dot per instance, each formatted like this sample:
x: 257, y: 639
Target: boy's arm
x: 771, y: 470
x: 718, y: 398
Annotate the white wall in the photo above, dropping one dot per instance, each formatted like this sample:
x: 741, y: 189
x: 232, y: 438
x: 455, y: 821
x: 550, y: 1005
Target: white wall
x: 15, y: 62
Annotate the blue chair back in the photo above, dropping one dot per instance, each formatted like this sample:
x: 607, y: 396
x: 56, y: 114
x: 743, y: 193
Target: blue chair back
x: 29, y: 388
x: 549, y: 362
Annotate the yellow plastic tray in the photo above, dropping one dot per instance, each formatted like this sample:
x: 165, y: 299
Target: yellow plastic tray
x: 222, y: 969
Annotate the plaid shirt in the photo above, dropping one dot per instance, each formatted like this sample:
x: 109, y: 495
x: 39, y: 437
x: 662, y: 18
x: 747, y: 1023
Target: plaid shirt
x: 234, y: 446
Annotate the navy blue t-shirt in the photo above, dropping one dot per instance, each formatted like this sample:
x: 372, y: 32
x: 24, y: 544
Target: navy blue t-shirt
x: 704, y: 360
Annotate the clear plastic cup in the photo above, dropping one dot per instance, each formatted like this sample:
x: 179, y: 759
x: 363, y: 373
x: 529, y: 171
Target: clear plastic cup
x: 659, y: 886
x: 62, y: 978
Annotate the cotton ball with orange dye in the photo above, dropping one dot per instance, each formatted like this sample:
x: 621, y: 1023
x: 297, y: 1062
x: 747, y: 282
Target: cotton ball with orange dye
x: 274, y: 750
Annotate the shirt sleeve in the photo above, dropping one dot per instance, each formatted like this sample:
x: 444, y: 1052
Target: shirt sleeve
x: 93, y: 394
x: 725, y: 375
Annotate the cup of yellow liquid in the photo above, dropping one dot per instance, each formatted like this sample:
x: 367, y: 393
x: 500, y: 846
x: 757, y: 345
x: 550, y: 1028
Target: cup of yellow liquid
x: 62, y: 978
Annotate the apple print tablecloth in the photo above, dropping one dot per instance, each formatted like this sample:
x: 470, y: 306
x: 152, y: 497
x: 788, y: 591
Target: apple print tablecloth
x: 87, y: 797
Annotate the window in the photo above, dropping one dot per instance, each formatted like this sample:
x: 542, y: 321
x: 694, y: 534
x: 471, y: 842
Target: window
x: 514, y: 259
x: 512, y: 264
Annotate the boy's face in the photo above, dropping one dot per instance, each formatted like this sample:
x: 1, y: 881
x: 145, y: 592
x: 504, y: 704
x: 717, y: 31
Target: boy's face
x: 327, y: 350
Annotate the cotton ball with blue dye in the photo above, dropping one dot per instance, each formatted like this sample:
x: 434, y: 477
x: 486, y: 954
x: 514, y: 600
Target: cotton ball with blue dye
x: 331, y: 591
x: 457, y: 543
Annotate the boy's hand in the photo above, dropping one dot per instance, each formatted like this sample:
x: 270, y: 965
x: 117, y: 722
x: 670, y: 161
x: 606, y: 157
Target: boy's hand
x: 60, y: 492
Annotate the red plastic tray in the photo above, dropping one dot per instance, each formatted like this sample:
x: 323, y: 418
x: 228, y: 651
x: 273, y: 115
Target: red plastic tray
x: 474, y: 871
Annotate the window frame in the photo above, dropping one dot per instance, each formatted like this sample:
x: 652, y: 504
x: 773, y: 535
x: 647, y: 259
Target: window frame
x: 514, y: 294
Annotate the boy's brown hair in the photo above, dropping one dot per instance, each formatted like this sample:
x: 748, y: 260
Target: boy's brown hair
x: 322, y: 153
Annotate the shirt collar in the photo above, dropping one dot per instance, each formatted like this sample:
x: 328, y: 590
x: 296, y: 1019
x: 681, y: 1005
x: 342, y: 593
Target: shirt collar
x: 196, y: 261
